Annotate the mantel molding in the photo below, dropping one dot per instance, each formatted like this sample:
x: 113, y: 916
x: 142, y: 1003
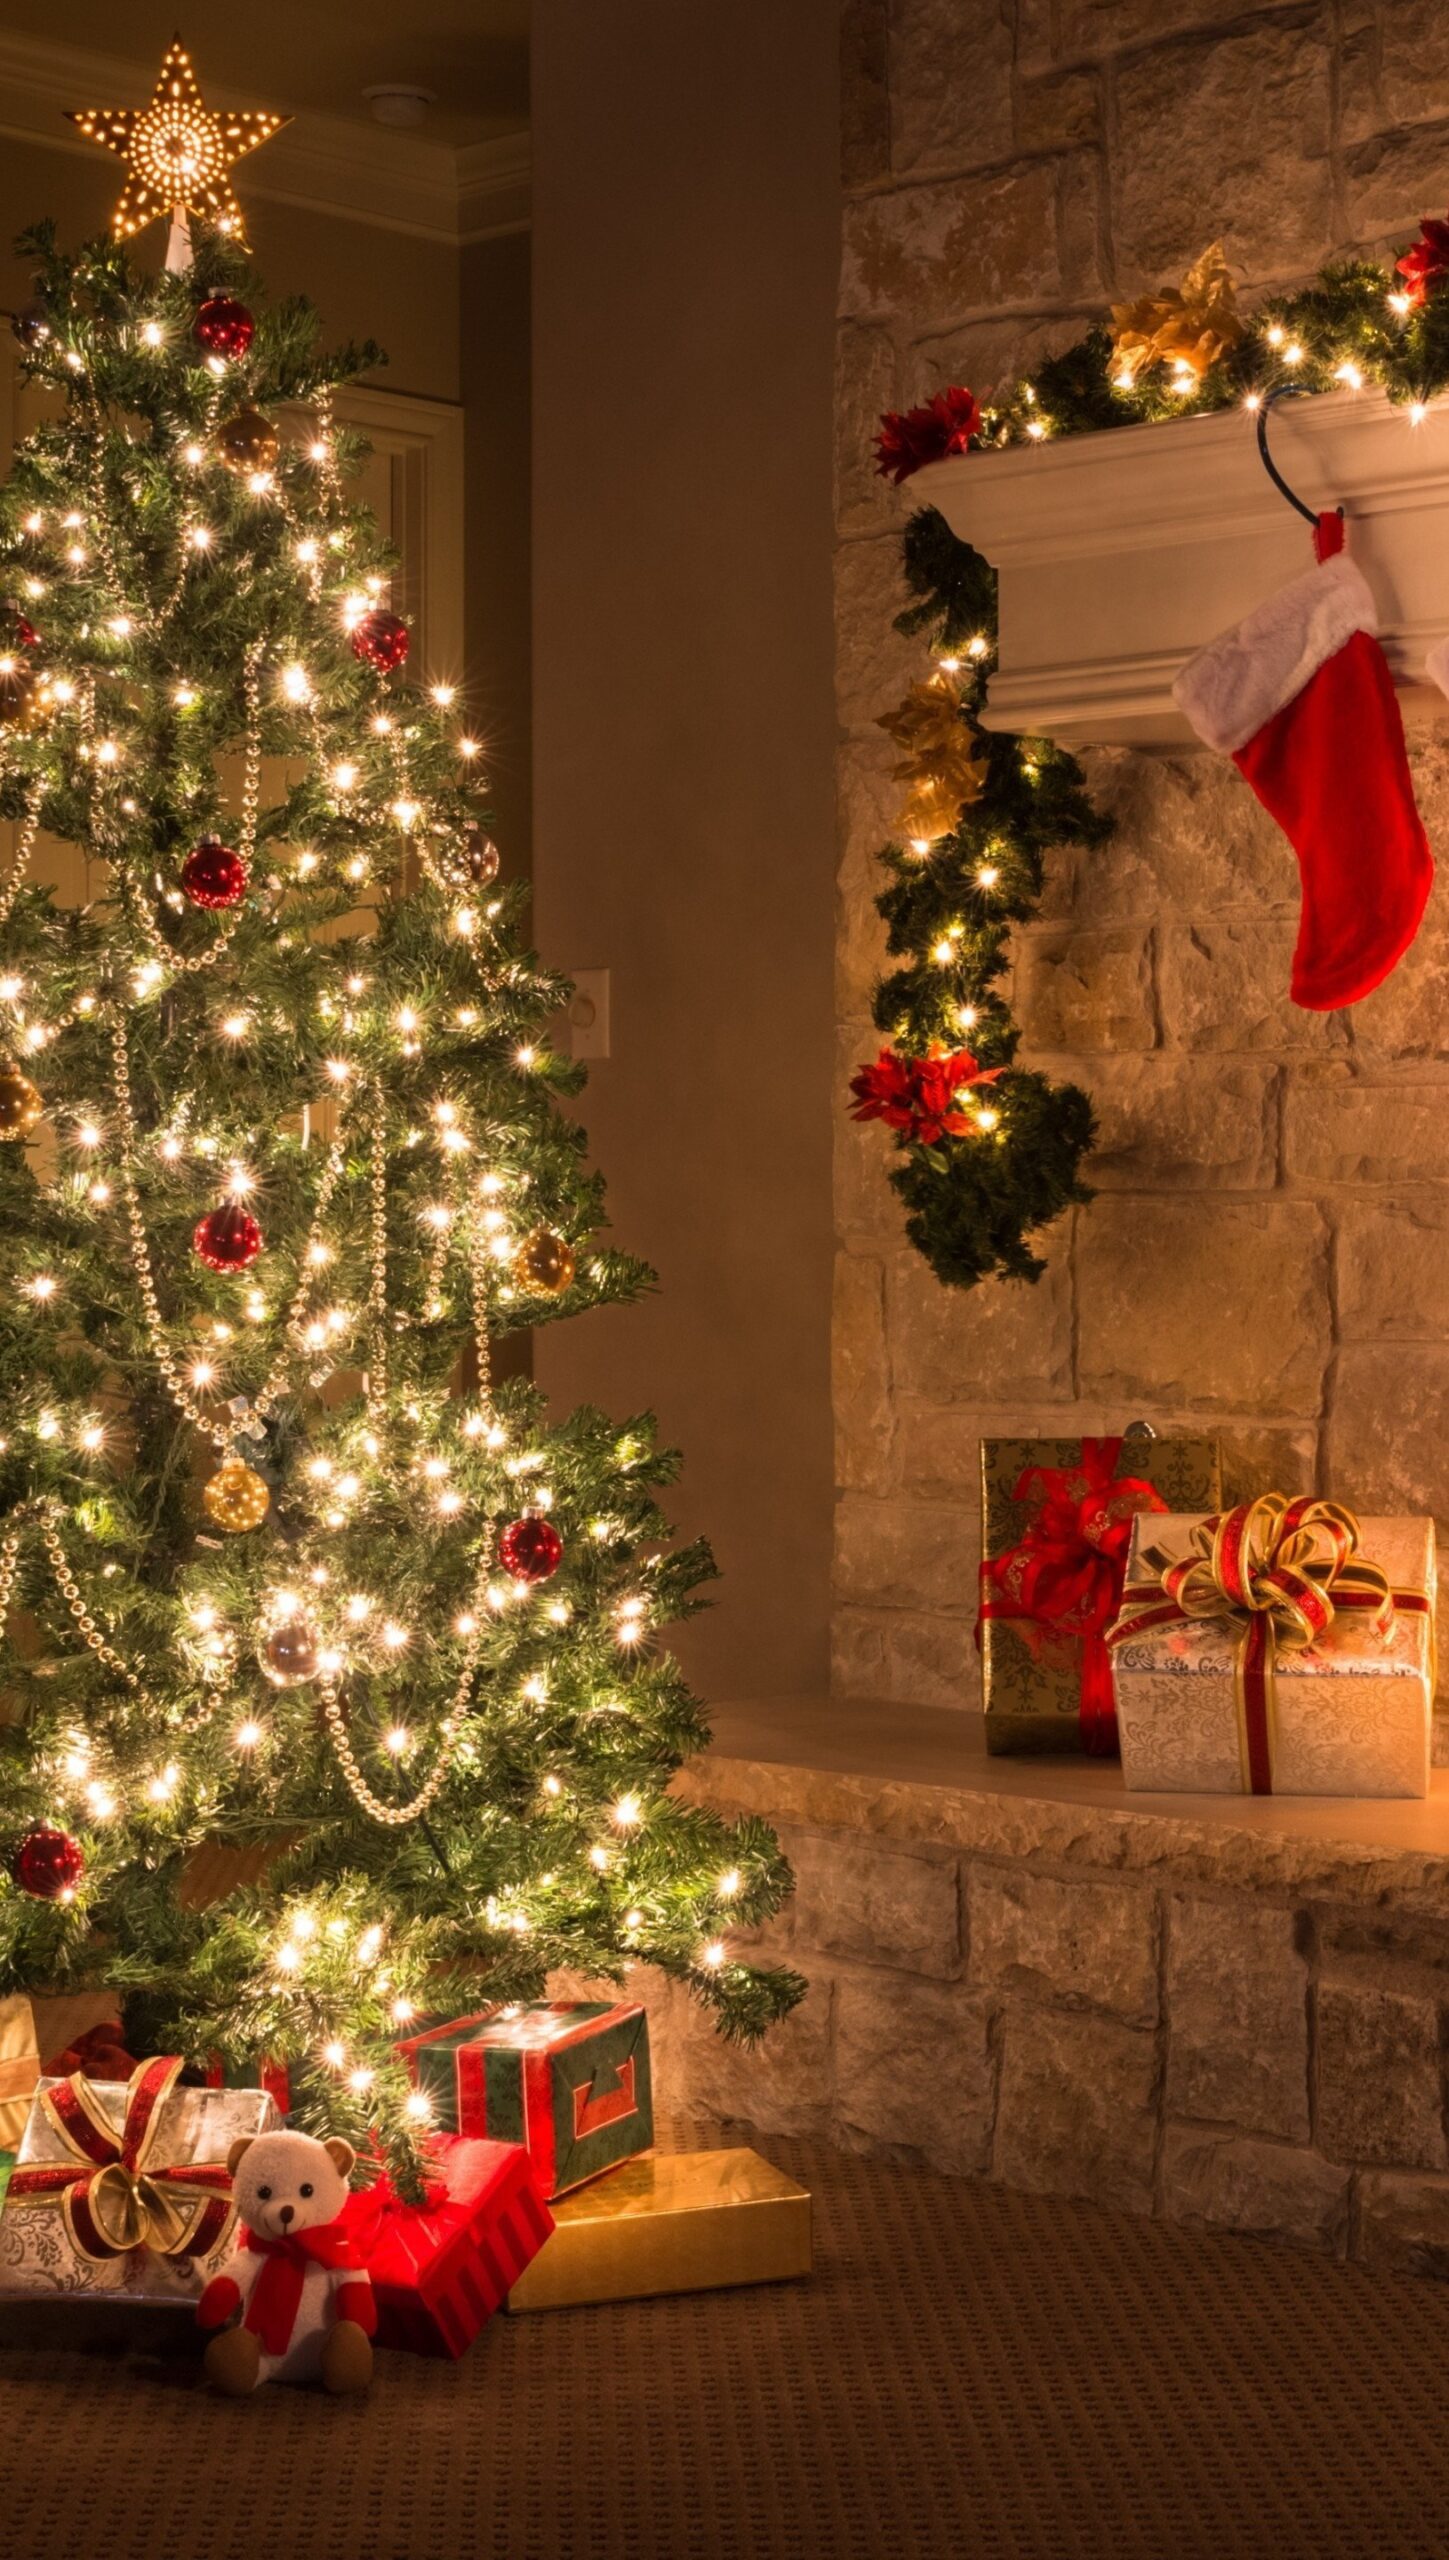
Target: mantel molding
x: 1120, y: 553
x: 374, y: 174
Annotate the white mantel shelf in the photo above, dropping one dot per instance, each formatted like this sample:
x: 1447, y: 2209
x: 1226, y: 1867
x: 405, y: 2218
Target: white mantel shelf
x: 1120, y: 553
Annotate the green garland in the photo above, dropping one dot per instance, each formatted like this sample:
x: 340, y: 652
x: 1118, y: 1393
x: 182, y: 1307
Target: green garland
x: 974, y: 1201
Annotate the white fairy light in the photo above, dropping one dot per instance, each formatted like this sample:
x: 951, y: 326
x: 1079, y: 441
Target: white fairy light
x: 296, y: 683
x: 713, y: 1955
x: 626, y: 1813
x: 248, y: 1735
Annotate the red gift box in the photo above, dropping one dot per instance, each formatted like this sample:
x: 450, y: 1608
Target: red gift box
x: 440, y: 2270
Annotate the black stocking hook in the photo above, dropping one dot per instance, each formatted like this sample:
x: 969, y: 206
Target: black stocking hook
x: 1283, y: 391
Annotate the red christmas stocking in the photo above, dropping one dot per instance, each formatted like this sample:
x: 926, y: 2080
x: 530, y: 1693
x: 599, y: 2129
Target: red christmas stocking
x: 1300, y: 696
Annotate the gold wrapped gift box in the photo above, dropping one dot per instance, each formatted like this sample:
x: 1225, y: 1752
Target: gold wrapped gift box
x: 673, y: 2222
x: 1031, y: 1680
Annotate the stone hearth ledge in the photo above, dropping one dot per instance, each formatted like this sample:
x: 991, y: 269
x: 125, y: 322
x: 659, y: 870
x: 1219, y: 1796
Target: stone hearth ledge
x: 924, y: 1775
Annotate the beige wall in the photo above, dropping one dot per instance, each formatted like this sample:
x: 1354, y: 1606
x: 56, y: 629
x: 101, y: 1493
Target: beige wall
x: 1268, y: 1246
x: 686, y: 242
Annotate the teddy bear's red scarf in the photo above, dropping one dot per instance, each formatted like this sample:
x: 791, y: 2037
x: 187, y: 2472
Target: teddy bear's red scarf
x: 277, y: 2292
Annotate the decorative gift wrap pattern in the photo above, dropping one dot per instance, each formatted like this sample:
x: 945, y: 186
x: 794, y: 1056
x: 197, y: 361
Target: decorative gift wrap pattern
x: 441, y: 2269
x: 1056, y: 1523
x: 570, y: 2078
x: 1282, y: 1648
x: 122, y: 2187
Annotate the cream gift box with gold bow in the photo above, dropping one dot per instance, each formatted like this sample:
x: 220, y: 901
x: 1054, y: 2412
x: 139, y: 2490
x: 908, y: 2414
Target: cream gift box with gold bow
x: 1285, y: 1648
x: 120, y: 2188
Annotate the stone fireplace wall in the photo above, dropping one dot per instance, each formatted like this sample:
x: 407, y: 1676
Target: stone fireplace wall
x: 1269, y: 1248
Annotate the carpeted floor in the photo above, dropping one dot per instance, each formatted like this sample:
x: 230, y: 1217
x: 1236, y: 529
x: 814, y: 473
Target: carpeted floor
x: 968, y: 2373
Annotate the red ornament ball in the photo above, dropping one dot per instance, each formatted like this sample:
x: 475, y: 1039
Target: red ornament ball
x: 530, y: 1549
x: 224, y: 327
x: 381, y: 640
x: 227, y: 1238
x: 48, y: 1864
x: 212, y: 875
x: 23, y: 634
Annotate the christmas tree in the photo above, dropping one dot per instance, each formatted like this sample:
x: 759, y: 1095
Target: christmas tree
x: 331, y: 1693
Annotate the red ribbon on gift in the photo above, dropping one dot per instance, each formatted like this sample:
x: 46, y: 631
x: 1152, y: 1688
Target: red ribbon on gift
x: 113, y: 2193
x: 1063, y: 1579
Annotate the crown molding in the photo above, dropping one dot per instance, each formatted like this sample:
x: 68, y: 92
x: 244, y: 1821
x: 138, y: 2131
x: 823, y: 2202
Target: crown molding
x: 370, y: 173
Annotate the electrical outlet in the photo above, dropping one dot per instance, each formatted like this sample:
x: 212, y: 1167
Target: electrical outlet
x: 587, y: 1017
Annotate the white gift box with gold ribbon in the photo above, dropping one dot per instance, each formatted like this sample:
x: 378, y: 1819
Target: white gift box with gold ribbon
x: 120, y: 2188
x: 1276, y: 1651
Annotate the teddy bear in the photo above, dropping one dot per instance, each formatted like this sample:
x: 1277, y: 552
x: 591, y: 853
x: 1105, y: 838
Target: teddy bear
x: 296, y: 2274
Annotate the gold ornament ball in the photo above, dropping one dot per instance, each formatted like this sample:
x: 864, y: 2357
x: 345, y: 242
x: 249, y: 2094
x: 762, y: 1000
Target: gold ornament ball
x: 289, y: 1653
x: 235, y: 1497
x: 20, y: 1104
x: 544, y: 1263
x: 248, y: 442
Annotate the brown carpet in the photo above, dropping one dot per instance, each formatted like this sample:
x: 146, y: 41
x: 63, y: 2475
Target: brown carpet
x: 969, y: 2373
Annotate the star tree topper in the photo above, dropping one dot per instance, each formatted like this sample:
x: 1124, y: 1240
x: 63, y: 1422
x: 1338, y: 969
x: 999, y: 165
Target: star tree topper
x: 179, y: 154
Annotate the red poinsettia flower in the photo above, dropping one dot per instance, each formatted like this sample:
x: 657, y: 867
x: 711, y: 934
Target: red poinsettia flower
x: 917, y: 1096
x: 908, y: 438
x: 1428, y: 259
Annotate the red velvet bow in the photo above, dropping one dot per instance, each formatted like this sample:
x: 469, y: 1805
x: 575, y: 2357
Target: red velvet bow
x: 113, y: 2192
x: 272, y: 2309
x: 1064, y: 1578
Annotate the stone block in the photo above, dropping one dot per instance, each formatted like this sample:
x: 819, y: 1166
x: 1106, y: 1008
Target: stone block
x: 1227, y: 2182
x: 927, y: 257
x: 1058, y: 112
x: 1403, y: 2223
x: 1337, y: 1128
x: 931, y: 1662
x: 1103, y: 26
x: 868, y: 800
x: 865, y: 386
x: 1087, y: 1944
x: 1267, y: 1456
x: 1077, y: 2111
x: 1404, y: 1022
x: 950, y: 69
x: 1380, y: 2075
x: 893, y: 1553
x: 1229, y: 136
x: 1190, y: 835
x: 986, y: 352
x: 954, y: 1344
x: 1386, y: 1446
x: 783, y: 2085
x: 1237, y: 2007
x: 1163, y: 1123
x: 865, y: 104
x: 1392, y: 1253
x: 1390, y: 179
x: 1084, y: 992
x: 875, y: 1905
x: 1163, y: 1285
x: 864, y: 1421
x: 873, y: 664
x: 917, y: 2074
x: 857, y: 1653
x: 1223, y: 984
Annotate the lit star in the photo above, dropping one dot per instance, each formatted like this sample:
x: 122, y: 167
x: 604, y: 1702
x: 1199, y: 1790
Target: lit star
x: 178, y: 154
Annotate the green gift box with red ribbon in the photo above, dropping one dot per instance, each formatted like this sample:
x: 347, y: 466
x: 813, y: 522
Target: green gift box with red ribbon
x: 570, y: 2079
x: 1056, y: 1526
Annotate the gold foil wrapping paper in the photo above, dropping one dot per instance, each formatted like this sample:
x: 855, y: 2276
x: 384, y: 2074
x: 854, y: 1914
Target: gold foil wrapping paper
x: 1031, y: 1683
x: 673, y: 2222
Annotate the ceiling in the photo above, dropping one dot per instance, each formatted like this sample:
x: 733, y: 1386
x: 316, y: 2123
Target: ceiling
x: 320, y: 55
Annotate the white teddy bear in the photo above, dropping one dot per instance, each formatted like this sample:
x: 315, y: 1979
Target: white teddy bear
x: 296, y: 2274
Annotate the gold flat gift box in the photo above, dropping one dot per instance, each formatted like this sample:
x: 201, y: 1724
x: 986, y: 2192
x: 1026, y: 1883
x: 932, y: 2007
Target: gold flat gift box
x: 673, y: 2222
x: 1030, y: 1683
x: 1351, y: 1714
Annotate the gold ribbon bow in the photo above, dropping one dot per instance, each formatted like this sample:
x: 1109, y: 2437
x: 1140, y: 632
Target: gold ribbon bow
x: 112, y: 2192
x: 1281, y: 1571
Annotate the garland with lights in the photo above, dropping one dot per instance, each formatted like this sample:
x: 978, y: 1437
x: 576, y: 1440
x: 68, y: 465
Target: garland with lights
x: 286, y: 1577
x: 986, y: 1153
